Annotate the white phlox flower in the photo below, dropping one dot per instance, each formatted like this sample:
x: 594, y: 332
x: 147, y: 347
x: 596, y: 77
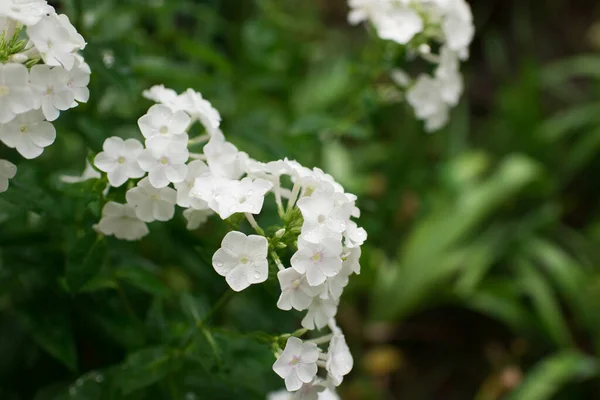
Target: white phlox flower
x: 121, y: 221
x: 242, y: 260
x: 318, y: 240
x: 297, y: 364
x: 151, y: 203
x: 28, y: 133
x: 27, y: 12
x: 42, y: 73
x: 50, y: 87
x: 447, y: 23
x: 161, y: 125
x: 196, y: 218
x: 296, y: 293
x: 319, y: 313
x: 196, y: 169
x: 8, y: 171
x: 318, y: 260
x: 165, y: 164
x: 339, y: 359
x: 120, y: 160
x: 56, y: 40
x: 15, y: 92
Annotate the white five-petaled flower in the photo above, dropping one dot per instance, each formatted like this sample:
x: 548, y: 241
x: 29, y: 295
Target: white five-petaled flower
x: 29, y: 133
x: 322, y: 217
x: 295, y: 291
x: 51, y: 90
x: 319, y: 313
x: 15, y: 91
x: 78, y: 81
x: 8, y: 171
x: 27, y: 12
x: 151, y: 203
x: 223, y: 157
x: 354, y: 236
x: 242, y: 260
x: 318, y: 260
x: 56, y: 40
x: 121, y: 221
x: 165, y: 164
x: 161, y: 125
x: 196, y: 169
x: 119, y: 160
x: 339, y: 359
x: 297, y: 364
x: 425, y: 96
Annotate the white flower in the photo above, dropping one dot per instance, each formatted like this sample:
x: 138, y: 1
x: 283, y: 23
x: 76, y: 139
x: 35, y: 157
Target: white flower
x: 8, y: 171
x: 295, y: 291
x: 223, y: 158
x: 119, y: 160
x: 165, y: 163
x: 309, y: 391
x: 56, y: 40
x: 354, y: 236
x: 50, y: 87
x: 27, y: 12
x: 78, y: 81
x: 121, y: 221
x: 15, y: 92
x: 322, y: 218
x: 458, y: 27
x: 297, y: 364
x: 88, y: 173
x: 152, y: 203
x: 162, y: 124
x: 160, y: 94
x: 247, y: 196
x: 339, y: 359
x: 398, y: 23
x: 351, y: 261
x: 212, y: 190
x: 242, y: 260
x: 319, y: 313
x: 334, y: 286
x: 195, y: 218
x: 194, y: 104
x: 426, y: 99
x: 318, y: 260
x: 29, y: 133
x: 196, y: 169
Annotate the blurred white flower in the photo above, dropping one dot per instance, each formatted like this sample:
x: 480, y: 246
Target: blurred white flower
x: 27, y: 12
x: 339, y: 359
x: 8, y: 171
x: 56, y: 39
x: 165, y: 164
x: 319, y: 313
x: 15, y: 91
x: 195, y: 218
x: 50, y: 88
x: 121, y: 221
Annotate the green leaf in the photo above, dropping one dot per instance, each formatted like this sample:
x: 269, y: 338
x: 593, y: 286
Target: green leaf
x: 554, y: 372
x: 52, y: 332
x: 146, y: 367
x: 545, y: 303
x: 142, y: 279
x: 85, y: 259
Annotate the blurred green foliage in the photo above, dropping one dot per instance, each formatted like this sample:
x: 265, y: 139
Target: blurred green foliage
x: 480, y: 278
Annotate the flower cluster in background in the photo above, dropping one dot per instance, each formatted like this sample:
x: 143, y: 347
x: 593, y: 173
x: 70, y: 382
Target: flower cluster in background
x: 437, y: 31
x: 316, y: 235
x: 41, y: 74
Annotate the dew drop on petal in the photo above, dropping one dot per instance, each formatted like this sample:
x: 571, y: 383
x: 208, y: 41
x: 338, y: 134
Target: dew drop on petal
x: 219, y: 263
x: 256, y: 275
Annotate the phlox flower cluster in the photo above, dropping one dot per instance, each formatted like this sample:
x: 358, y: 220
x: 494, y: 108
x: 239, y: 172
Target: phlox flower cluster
x: 317, y: 235
x: 421, y: 25
x: 41, y: 74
